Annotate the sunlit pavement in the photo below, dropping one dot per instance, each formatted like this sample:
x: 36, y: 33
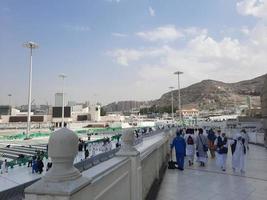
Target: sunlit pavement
x: 210, y: 183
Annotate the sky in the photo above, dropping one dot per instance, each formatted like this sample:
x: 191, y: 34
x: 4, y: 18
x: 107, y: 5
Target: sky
x: 115, y: 50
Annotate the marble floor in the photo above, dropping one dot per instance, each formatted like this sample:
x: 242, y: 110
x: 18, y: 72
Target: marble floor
x: 210, y: 183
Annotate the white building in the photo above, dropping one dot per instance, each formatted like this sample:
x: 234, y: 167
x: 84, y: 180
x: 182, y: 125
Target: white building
x: 190, y: 113
x: 58, y: 99
x: 95, y: 113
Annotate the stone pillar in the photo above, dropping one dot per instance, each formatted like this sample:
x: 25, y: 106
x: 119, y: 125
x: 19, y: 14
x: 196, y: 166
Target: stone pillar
x: 128, y: 150
x: 63, y: 180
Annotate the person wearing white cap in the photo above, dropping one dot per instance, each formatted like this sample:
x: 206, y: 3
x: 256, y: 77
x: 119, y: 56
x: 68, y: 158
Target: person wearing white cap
x: 239, y: 152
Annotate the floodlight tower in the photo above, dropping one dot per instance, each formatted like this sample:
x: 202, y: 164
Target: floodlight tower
x: 171, y: 88
x: 30, y: 45
x: 63, y: 76
x: 9, y: 99
x: 178, y: 73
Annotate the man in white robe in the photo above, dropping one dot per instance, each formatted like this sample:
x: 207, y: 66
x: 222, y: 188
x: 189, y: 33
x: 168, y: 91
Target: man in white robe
x: 202, y: 148
x: 190, y: 147
x: 239, y: 153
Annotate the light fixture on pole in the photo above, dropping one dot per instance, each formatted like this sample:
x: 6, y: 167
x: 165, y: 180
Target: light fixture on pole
x: 171, y: 88
x: 9, y: 99
x: 63, y: 76
x: 178, y: 73
x: 30, y: 45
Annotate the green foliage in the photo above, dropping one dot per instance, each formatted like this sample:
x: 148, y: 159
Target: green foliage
x: 102, y: 112
x: 156, y: 109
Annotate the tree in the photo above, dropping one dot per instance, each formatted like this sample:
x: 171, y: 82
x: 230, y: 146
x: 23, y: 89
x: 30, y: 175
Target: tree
x: 102, y: 112
x: 156, y: 109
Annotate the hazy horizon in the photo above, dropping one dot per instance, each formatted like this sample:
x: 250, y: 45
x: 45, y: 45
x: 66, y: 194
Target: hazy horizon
x: 114, y: 50
x: 103, y: 104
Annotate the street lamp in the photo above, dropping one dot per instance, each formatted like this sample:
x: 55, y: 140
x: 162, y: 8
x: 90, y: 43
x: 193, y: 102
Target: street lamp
x: 9, y: 99
x: 171, y: 88
x: 63, y: 76
x: 178, y: 73
x: 30, y: 45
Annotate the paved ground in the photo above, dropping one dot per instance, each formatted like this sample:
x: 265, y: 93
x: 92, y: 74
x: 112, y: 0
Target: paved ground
x: 210, y: 183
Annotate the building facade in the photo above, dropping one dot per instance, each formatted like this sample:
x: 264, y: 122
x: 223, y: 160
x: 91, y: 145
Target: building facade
x: 58, y: 99
x: 190, y: 113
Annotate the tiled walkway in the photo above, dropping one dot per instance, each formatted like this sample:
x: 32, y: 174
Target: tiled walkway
x: 210, y: 183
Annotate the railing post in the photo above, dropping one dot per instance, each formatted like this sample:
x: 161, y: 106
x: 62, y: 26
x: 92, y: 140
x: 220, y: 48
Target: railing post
x: 128, y: 150
x: 63, y: 180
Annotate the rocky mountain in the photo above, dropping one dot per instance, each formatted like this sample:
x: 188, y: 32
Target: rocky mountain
x: 211, y: 94
x: 207, y: 94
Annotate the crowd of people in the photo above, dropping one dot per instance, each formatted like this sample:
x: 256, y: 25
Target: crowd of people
x: 91, y: 149
x: 39, y: 163
x: 191, y: 142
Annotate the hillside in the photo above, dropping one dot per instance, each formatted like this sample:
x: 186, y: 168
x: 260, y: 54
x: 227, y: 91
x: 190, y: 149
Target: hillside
x: 210, y: 94
x: 207, y: 94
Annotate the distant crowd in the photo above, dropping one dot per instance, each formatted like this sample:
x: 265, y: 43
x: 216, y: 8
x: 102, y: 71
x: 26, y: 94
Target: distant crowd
x: 35, y: 162
x: 91, y: 149
x: 190, y: 142
x: 38, y: 164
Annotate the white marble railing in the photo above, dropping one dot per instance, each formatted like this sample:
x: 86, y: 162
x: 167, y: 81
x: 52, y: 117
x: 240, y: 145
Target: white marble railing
x: 130, y: 175
x: 264, y: 123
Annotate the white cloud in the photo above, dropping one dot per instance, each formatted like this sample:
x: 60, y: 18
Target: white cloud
x: 126, y: 56
x: 245, y: 30
x: 119, y: 35
x: 77, y: 28
x: 240, y: 54
x: 170, y: 33
x: 256, y: 8
x: 193, y: 31
x: 207, y: 48
x: 202, y: 57
x: 166, y: 33
x: 258, y: 36
x: 151, y: 11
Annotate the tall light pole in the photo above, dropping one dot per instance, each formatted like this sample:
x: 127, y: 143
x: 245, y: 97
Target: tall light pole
x: 9, y: 99
x: 178, y: 73
x: 63, y: 76
x: 171, y: 88
x: 30, y: 45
